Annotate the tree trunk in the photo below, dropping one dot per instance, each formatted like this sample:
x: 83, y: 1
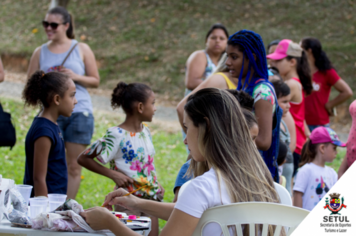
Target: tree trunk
x: 55, y: 3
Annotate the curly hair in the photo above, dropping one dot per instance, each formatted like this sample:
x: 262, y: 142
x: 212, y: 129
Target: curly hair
x: 41, y: 88
x: 125, y: 95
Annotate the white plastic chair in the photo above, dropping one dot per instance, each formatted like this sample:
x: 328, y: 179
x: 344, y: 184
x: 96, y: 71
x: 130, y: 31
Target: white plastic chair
x: 252, y: 213
x: 283, y: 194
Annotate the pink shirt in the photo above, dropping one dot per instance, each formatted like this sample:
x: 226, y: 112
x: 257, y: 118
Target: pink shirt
x: 298, y: 112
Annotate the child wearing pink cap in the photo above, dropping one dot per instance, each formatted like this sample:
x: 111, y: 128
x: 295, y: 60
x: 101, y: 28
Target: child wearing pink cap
x: 292, y: 64
x: 314, y: 178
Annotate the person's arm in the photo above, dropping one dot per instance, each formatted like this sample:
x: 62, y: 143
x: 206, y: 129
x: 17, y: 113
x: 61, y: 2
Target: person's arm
x: 91, y: 79
x: 88, y: 162
x: 306, y: 129
x: 213, y: 81
x: 264, y: 116
x: 343, y: 167
x: 2, y: 73
x: 345, y: 93
x: 196, y: 64
x: 34, y: 62
x: 160, y: 210
x: 180, y: 223
x: 288, y: 119
x: 42, y: 147
x: 298, y: 199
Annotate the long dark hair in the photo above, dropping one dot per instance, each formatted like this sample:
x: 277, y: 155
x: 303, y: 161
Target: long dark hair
x: 309, y: 152
x: 322, y: 61
x: 42, y: 87
x: 303, y: 71
x: 250, y: 44
x: 67, y: 18
x: 217, y: 26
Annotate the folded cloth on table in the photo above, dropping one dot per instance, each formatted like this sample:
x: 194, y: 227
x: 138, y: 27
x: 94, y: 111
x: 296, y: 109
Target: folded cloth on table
x: 70, y: 204
x: 65, y: 218
x: 54, y: 222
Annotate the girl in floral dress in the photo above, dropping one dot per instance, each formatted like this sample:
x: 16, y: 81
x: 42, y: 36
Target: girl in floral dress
x: 128, y: 147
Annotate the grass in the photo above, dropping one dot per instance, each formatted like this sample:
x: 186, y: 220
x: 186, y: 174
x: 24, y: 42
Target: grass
x: 170, y: 155
x: 150, y: 40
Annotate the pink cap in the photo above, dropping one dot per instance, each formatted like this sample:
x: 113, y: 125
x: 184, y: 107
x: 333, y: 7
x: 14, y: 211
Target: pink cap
x: 286, y: 48
x: 325, y: 135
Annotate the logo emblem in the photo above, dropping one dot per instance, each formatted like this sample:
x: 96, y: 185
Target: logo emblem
x: 335, y: 204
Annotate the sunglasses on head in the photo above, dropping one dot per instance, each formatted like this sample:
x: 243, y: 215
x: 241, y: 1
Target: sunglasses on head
x: 53, y: 25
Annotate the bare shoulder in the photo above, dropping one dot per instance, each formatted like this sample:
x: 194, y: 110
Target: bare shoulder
x: 84, y: 47
x: 216, y: 77
x: 37, y: 51
x: 197, y: 56
x: 293, y: 84
x: 215, y: 81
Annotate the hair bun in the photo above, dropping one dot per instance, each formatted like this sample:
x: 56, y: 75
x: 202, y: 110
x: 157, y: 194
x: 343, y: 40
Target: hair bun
x: 118, y: 93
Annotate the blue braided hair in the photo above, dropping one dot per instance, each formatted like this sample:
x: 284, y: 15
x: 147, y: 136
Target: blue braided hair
x: 250, y: 43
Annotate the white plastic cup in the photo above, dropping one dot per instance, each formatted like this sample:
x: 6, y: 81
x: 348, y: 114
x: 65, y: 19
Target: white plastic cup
x: 55, y: 200
x: 38, y: 206
x: 25, y: 191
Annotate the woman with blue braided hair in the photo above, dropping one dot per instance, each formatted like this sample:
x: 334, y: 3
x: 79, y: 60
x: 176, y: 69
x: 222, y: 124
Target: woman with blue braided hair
x: 246, y: 60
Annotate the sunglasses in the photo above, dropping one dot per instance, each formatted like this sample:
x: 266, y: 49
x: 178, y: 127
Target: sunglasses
x: 53, y: 25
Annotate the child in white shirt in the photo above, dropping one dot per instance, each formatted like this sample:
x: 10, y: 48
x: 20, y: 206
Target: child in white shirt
x: 314, y: 179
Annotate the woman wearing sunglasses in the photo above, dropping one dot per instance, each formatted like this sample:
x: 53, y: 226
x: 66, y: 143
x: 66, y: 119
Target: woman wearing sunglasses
x: 63, y: 53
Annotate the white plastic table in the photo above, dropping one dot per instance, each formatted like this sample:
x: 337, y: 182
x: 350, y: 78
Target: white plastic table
x: 7, y: 230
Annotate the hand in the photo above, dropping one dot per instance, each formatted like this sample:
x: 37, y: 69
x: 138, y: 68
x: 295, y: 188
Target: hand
x: 329, y: 109
x: 98, y: 218
x: 69, y: 73
x: 121, y: 179
x: 161, y: 188
x: 117, y: 198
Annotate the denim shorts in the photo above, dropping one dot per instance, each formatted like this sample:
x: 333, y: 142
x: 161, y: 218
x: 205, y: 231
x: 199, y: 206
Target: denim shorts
x: 78, y: 128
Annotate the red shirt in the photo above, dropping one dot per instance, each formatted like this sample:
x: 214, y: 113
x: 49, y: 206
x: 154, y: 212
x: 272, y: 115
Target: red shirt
x: 297, y: 110
x: 315, y: 112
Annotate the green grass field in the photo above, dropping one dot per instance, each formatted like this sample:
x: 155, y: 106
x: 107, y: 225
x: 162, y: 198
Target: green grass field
x: 170, y: 155
x: 150, y: 40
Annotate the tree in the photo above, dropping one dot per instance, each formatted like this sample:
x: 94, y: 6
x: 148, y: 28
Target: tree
x: 55, y: 3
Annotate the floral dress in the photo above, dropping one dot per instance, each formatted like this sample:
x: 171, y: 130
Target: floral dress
x: 131, y: 154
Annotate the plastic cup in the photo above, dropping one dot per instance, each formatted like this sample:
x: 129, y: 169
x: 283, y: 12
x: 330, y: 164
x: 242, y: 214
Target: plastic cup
x: 55, y: 200
x: 25, y: 191
x: 38, y: 206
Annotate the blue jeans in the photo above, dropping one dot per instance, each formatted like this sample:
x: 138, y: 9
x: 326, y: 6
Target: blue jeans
x: 312, y: 127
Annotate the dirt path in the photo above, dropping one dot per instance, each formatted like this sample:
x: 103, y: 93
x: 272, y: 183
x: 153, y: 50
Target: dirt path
x: 165, y: 116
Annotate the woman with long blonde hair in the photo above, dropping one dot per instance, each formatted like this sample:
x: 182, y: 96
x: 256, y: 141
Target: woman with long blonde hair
x: 224, y: 172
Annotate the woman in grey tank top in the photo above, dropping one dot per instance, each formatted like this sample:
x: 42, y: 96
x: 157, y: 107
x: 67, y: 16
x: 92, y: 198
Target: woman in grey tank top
x: 80, y: 66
